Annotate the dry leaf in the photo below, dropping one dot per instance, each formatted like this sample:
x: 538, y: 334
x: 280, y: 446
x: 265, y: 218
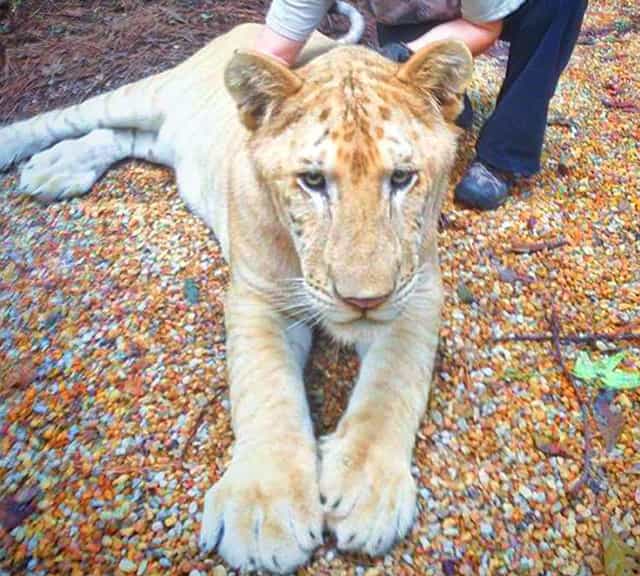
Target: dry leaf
x: 14, y: 510
x: 549, y: 447
x: 18, y: 376
x: 610, y: 423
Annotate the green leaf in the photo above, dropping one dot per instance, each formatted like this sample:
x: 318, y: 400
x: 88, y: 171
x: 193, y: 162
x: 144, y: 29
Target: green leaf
x: 610, y: 363
x: 191, y: 291
x: 465, y: 294
x: 584, y: 368
x: 621, y: 380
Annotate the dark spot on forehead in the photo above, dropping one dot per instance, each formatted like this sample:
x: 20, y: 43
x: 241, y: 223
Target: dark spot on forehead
x: 385, y: 113
x: 324, y: 114
x: 343, y: 155
x: 358, y: 165
x: 363, y: 161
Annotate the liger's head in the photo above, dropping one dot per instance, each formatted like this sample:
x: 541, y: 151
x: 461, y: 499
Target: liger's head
x: 355, y: 151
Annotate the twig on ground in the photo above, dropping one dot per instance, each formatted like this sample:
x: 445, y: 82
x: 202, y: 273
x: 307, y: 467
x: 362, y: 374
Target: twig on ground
x: 563, y: 121
x: 196, y: 426
x: 588, y: 338
x: 173, y: 15
x: 624, y: 105
x: 526, y: 248
x: 587, y: 476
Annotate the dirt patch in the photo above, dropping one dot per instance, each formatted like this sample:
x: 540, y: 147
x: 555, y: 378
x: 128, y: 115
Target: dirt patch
x: 56, y: 53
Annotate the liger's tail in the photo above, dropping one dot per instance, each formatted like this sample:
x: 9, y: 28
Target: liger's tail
x: 131, y: 106
x: 356, y: 22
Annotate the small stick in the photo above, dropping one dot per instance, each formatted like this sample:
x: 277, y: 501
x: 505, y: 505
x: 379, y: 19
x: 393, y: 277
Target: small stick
x: 624, y: 105
x: 524, y: 248
x: 570, y: 339
x: 587, y: 433
x: 196, y: 426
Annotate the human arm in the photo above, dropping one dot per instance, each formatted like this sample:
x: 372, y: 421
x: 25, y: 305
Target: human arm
x: 289, y: 24
x: 279, y: 47
x: 478, y: 36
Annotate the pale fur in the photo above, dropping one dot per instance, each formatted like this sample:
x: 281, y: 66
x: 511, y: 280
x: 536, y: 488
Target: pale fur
x: 291, y: 253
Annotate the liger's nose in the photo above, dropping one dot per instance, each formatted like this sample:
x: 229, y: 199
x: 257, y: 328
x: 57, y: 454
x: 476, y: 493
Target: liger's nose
x: 366, y: 303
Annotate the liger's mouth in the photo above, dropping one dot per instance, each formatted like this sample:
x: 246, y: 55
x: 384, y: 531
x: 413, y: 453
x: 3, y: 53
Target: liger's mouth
x: 365, y: 317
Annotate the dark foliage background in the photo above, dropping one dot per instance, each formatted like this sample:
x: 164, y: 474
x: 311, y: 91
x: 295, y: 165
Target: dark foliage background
x: 57, y: 52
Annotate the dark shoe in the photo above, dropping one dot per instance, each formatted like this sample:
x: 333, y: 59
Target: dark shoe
x: 482, y: 188
x: 465, y: 120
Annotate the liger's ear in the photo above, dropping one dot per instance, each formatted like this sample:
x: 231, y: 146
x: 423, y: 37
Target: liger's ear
x: 443, y: 69
x: 258, y: 84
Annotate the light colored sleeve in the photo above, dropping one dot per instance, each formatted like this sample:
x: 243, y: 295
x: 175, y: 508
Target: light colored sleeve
x: 296, y: 19
x: 488, y: 10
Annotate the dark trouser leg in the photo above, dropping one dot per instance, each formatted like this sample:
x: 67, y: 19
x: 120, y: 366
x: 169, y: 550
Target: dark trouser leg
x: 542, y: 34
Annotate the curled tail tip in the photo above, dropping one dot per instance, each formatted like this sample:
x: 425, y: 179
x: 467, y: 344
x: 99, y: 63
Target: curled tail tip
x: 356, y: 22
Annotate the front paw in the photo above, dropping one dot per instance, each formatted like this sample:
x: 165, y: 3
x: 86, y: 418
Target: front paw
x: 368, y: 493
x: 264, y: 513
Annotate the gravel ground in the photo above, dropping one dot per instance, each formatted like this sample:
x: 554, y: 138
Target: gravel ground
x: 114, y: 417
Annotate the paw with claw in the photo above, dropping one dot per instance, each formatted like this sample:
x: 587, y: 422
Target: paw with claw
x: 368, y: 493
x: 265, y: 512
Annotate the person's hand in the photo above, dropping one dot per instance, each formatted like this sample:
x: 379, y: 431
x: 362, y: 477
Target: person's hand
x: 396, y: 51
x: 282, y: 49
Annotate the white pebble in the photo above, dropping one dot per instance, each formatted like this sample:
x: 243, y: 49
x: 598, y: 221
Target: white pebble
x: 525, y: 492
x: 486, y: 529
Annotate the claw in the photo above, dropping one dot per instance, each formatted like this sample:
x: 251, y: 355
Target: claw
x: 218, y: 538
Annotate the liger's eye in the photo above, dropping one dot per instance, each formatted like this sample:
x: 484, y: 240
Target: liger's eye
x: 401, y: 179
x: 313, y: 181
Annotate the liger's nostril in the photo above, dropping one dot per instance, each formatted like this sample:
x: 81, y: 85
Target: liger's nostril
x: 366, y: 303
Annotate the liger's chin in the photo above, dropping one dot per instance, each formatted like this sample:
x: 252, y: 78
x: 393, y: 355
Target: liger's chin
x: 358, y: 330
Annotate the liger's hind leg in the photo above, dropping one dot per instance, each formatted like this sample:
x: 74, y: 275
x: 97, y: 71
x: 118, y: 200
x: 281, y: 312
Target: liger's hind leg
x: 71, y: 167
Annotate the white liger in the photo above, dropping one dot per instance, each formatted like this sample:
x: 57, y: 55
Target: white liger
x: 323, y: 186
